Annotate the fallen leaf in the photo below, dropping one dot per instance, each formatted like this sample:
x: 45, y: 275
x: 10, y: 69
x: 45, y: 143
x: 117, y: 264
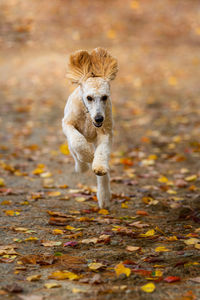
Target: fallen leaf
x: 132, y: 248
x: 150, y: 232
x: 197, y: 246
x: 103, y: 211
x: 192, y: 241
x: 31, y: 297
x: 138, y: 224
x: 54, y: 193
x: 51, y: 243
x: 2, y: 182
x: 31, y: 238
x: 13, y: 288
x: 51, y: 285
x: 195, y: 279
x: 191, y: 178
x: 89, y: 241
x: 163, y: 179
x: 12, y: 213
x: 33, y: 277
x: 121, y: 269
x: 148, y: 288
x: 95, y: 266
x: 57, y: 231
x: 161, y: 249
x: 142, y: 213
x: 64, y: 149
x: 71, y: 244
x: 170, y: 279
x: 60, y: 275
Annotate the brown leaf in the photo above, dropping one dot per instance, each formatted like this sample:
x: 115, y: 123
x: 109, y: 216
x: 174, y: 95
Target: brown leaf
x: 59, y: 221
x: 43, y: 259
x: 13, y: 288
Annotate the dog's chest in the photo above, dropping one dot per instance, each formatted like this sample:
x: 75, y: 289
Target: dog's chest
x: 88, y: 130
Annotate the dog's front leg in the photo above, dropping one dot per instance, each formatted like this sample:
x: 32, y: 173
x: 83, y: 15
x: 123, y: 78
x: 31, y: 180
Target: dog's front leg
x: 100, y: 165
x: 103, y: 190
x: 78, y: 145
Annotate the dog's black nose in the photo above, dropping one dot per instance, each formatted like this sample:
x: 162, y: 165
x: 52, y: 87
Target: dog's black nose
x: 98, y: 119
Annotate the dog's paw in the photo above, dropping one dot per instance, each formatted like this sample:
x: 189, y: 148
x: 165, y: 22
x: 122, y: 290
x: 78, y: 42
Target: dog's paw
x: 100, y: 170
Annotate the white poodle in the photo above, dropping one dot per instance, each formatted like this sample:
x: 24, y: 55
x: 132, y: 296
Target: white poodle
x: 87, y: 121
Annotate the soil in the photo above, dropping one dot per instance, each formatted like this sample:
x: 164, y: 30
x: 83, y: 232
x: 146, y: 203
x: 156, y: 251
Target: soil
x: 155, y: 166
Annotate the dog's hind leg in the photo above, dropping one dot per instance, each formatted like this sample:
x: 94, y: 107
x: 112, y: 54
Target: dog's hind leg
x: 103, y: 190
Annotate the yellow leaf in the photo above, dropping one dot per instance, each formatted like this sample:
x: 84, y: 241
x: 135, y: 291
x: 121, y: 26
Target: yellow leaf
x: 54, y: 194
x: 33, y: 277
x: 32, y: 238
x: 121, y: 269
x: 2, y: 182
x: 80, y: 199
x: 153, y: 157
x: 12, y: 213
x: 161, y: 249
x: 192, y: 241
x: 163, y: 179
x: 150, y: 232
x: 6, y: 202
x: 191, y: 178
x: 77, y: 291
x: 197, y: 246
x: 95, y: 266
x: 38, y: 171
x: 197, y: 30
x: 172, y: 238
x: 111, y: 34
x: 64, y: 149
x: 171, y: 192
x: 60, y: 275
x: 103, y: 211
x: 158, y: 273
x: 135, y: 5
x: 50, y: 285
x: 148, y: 288
x: 68, y: 227
x: 57, y: 231
x: 172, y: 80
x: 124, y: 205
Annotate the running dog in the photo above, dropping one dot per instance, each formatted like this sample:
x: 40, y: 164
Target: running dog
x: 87, y: 121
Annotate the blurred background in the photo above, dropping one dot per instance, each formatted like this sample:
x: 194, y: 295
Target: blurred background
x: 156, y: 93
x: 155, y: 165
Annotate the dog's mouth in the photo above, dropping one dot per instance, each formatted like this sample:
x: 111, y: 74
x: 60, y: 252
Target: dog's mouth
x: 97, y: 124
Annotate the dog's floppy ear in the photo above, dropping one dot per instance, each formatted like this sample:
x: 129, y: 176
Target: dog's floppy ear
x: 103, y: 64
x: 79, y: 66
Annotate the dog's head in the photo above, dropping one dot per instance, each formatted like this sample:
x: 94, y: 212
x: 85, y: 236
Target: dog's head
x: 93, y: 72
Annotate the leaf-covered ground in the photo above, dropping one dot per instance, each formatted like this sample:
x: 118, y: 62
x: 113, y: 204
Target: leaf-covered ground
x: 54, y: 241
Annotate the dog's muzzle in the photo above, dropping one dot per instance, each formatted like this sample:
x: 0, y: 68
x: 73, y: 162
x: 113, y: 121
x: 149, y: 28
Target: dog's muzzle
x: 98, y: 120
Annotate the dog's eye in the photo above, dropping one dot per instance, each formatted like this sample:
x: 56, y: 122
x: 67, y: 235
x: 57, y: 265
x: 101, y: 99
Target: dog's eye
x: 104, y: 98
x: 89, y: 98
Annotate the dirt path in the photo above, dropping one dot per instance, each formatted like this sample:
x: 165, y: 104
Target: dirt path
x: 49, y: 215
